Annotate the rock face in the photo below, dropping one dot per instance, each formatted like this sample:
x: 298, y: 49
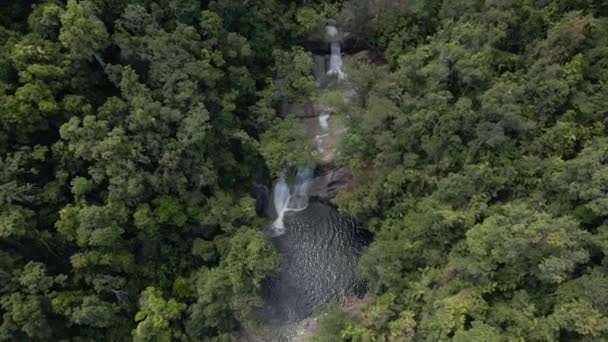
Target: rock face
x: 319, y: 43
x: 321, y: 123
x: 320, y: 68
x: 260, y: 190
x: 329, y: 180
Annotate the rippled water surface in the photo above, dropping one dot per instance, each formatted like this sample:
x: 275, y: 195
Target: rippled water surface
x: 319, y: 253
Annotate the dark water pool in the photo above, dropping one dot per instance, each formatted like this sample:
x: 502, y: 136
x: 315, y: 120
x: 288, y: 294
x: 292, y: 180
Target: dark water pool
x: 319, y: 253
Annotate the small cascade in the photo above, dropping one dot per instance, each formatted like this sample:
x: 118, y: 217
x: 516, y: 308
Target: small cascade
x: 324, y: 125
x: 296, y: 199
x: 319, y: 141
x: 323, y: 117
x: 299, y: 198
x: 331, y: 30
x: 285, y: 200
x: 335, y: 59
x: 281, y: 196
x: 319, y: 247
x: 335, y: 68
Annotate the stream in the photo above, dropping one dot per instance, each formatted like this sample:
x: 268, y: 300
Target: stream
x: 319, y: 248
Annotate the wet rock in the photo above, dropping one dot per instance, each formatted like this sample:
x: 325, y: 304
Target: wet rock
x: 330, y: 180
x: 260, y: 191
x: 320, y: 68
x: 262, y: 199
x: 351, y: 43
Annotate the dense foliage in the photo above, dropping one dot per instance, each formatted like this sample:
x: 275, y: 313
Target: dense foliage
x: 130, y: 131
x: 480, y: 150
x: 127, y: 145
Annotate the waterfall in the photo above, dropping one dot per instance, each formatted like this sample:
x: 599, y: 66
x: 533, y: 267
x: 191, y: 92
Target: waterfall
x: 281, y: 200
x: 324, y: 125
x: 319, y: 141
x: 335, y: 60
x: 299, y: 198
x: 331, y: 30
x: 323, y: 117
x: 285, y: 200
x: 319, y: 248
x: 296, y: 199
x: 335, y: 68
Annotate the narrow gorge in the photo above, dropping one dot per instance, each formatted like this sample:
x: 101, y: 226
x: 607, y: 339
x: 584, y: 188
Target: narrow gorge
x: 319, y: 247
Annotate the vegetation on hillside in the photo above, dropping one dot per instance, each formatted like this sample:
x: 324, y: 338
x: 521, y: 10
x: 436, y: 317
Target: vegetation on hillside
x: 131, y: 130
x: 480, y: 153
x: 127, y: 143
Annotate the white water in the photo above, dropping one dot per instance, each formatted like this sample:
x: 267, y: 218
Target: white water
x: 335, y: 60
x: 331, y: 31
x: 324, y: 124
x: 319, y: 141
x: 323, y: 117
x: 285, y: 200
x: 320, y: 251
x: 281, y: 196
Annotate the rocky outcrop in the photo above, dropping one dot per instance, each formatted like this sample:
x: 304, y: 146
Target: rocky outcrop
x: 329, y: 180
x: 320, y: 123
x: 320, y: 69
x: 260, y: 190
x: 351, y: 44
x: 318, y: 43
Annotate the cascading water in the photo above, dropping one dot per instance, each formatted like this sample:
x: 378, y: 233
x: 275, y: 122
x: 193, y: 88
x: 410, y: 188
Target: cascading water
x: 285, y: 200
x: 299, y: 199
x: 324, y: 125
x: 335, y: 59
x: 335, y: 68
x: 331, y: 30
x: 319, y: 247
x: 323, y: 120
x: 281, y: 196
